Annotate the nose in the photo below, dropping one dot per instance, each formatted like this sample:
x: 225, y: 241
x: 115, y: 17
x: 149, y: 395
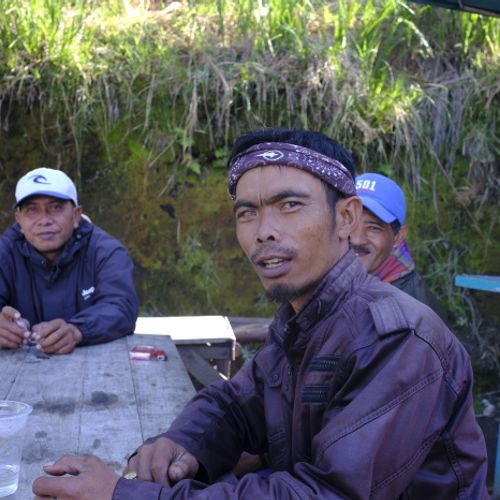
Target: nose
x: 357, y: 237
x: 267, y: 230
x: 45, y: 218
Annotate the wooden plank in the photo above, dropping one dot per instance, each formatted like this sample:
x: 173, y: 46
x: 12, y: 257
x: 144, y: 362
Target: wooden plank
x: 198, y: 367
x: 247, y: 329
x: 211, y: 336
x: 213, y: 351
x: 94, y: 400
x: 10, y: 367
x: 53, y: 387
x: 187, y: 329
x: 109, y: 426
x: 162, y: 388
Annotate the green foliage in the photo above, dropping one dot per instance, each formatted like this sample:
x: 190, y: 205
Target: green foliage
x: 140, y: 102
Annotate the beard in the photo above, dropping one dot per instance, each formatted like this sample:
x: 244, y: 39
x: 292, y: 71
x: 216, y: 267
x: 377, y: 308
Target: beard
x: 284, y: 293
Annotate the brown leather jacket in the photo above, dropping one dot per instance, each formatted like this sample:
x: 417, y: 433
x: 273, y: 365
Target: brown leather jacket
x: 364, y: 394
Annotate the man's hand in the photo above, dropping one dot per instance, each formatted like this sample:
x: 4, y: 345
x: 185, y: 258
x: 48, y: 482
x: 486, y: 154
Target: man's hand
x: 92, y: 480
x: 163, y: 461
x: 12, y: 328
x: 247, y: 463
x: 56, y: 336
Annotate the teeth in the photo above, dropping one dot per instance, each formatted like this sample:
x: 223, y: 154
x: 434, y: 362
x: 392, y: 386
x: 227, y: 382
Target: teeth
x: 273, y: 262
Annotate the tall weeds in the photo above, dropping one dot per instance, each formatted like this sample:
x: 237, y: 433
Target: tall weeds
x: 160, y: 90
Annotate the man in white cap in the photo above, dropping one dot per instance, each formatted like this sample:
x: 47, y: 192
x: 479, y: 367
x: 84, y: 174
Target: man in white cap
x: 64, y: 282
x: 380, y: 238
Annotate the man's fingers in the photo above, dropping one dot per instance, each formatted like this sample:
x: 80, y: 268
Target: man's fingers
x: 51, y: 337
x: 50, y: 487
x: 6, y: 344
x: 177, y: 472
x: 67, y: 464
x: 162, y: 461
x: 12, y: 328
x: 132, y: 467
x: 11, y: 313
x: 60, y: 470
x: 8, y: 341
x: 141, y: 463
x: 88, y: 477
x: 185, y: 466
x: 55, y: 344
x: 43, y: 485
x: 50, y: 344
x: 43, y: 329
x: 23, y: 324
x: 57, y: 336
x: 160, y: 464
x: 152, y: 461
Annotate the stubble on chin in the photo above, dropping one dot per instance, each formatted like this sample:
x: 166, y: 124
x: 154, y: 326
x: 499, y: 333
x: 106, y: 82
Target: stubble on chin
x: 285, y: 293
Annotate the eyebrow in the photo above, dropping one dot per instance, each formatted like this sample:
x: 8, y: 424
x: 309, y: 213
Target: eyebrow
x: 375, y: 222
x: 243, y: 203
x: 289, y: 193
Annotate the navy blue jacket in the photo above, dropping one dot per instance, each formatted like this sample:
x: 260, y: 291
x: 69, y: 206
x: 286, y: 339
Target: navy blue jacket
x: 89, y: 285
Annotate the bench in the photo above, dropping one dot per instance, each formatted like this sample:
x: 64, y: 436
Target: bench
x: 198, y: 339
x: 488, y: 284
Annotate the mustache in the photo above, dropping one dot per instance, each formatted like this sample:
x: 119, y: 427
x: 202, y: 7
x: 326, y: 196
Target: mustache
x: 272, y: 249
x: 360, y: 248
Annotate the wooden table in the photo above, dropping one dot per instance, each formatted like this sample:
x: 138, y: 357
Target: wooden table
x: 92, y: 401
x: 199, y: 339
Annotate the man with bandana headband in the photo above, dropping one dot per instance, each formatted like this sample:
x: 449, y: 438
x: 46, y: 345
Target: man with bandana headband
x: 359, y: 392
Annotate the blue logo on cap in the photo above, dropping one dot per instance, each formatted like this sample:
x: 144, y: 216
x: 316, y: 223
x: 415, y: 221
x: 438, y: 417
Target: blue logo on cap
x: 40, y: 179
x: 381, y: 196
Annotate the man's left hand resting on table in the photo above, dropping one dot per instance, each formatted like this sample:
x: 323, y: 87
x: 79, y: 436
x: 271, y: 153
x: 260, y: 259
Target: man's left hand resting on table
x: 56, y: 336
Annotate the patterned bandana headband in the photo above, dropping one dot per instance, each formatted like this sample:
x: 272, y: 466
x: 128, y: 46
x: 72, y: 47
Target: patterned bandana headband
x: 290, y: 155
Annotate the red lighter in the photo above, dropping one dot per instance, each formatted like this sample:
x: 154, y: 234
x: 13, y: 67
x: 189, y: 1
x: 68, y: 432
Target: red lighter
x: 147, y: 352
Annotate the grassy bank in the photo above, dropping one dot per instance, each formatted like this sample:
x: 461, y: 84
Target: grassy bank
x: 140, y: 101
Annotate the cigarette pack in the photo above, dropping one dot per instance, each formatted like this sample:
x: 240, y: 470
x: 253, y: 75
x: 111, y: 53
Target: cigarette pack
x: 147, y: 352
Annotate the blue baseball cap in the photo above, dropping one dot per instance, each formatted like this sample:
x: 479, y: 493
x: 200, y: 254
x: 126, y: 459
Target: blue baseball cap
x: 382, y: 196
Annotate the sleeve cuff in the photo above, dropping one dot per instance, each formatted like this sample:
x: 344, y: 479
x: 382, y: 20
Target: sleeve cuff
x: 132, y: 489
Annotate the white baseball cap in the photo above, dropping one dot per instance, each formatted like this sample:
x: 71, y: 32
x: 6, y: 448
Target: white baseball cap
x: 45, y: 181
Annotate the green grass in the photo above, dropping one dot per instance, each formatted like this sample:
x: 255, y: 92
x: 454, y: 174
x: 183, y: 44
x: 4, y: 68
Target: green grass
x: 143, y: 99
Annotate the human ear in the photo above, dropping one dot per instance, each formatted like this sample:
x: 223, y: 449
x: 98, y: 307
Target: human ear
x: 401, y: 236
x: 348, y: 215
x: 17, y: 215
x: 76, y: 216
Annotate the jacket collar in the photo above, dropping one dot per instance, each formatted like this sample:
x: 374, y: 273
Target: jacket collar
x: 336, y: 286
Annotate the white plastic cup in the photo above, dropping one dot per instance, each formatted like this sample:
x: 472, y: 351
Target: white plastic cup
x: 13, y: 417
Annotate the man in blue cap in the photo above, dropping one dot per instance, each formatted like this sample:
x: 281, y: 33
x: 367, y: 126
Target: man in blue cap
x: 380, y: 239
